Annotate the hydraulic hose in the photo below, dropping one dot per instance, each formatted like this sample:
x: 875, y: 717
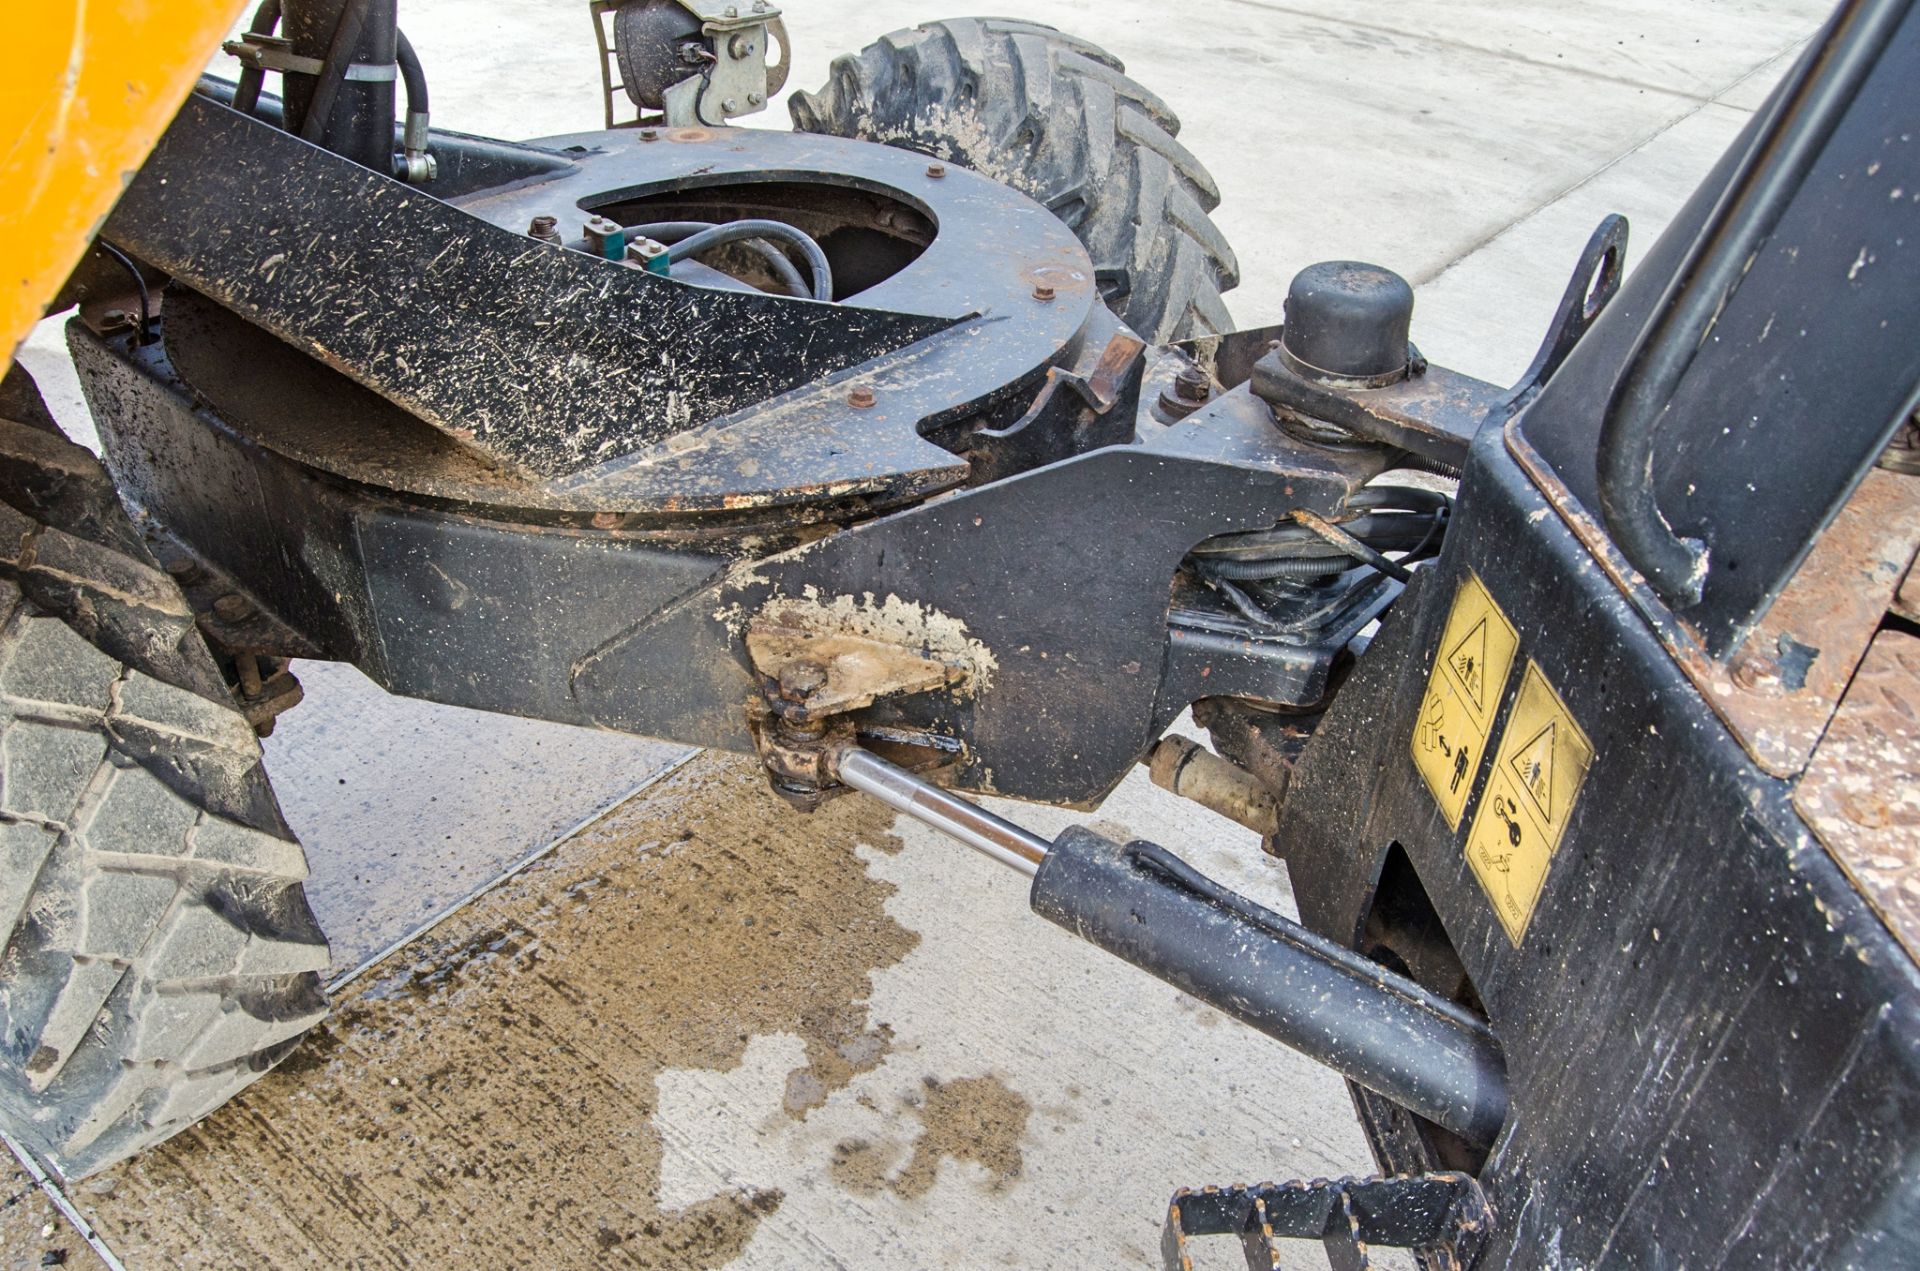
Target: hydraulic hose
x: 671, y: 232
x: 333, y: 71
x: 246, y: 93
x: 412, y: 76
x: 736, y: 231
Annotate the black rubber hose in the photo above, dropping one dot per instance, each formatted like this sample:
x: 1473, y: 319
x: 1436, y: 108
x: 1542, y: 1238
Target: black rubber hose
x: 671, y: 232
x: 735, y: 231
x: 333, y: 72
x: 246, y: 93
x: 411, y: 73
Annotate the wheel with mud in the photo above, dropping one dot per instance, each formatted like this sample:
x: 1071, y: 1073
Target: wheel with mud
x: 159, y: 952
x: 1056, y: 118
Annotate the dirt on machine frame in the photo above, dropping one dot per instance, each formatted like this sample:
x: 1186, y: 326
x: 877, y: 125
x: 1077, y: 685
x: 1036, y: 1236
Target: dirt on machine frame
x: 914, y: 451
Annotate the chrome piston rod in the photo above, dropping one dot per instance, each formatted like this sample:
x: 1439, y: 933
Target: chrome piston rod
x: 949, y: 813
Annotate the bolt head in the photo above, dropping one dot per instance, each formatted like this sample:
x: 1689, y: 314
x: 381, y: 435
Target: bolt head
x: 754, y: 99
x: 1043, y: 292
x: 936, y: 170
x: 731, y: 106
x: 232, y: 607
x: 649, y: 134
x: 861, y: 397
x: 1191, y: 385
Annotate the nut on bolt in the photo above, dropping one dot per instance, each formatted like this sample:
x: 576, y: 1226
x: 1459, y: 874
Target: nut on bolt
x: 1043, y: 292
x: 861, y: 397
x: 232, y: 607
x: 801, y: 680
x: 1192, y: 385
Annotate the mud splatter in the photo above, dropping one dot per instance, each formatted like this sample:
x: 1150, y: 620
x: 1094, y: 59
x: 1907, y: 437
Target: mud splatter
x: 861, y: 1166
x: 972, y: 1119
x: 489, y: 1094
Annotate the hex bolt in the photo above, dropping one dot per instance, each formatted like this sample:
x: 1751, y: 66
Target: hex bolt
x: 1191, y: 385
x: 1043, y: 292
x: 1752, y: 672
x: 740, y: 47
x: 545, y: 228
x: 232, y: 607
x: 860, y: 397
x: 730, y: 106
x: 936, y: 170
x: 606, y: 520
x: 649, y: 134
x: 801, y: 680
x: 754, y: 99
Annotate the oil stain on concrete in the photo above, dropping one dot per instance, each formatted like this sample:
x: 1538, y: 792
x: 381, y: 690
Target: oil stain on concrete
x: 487, y: 1096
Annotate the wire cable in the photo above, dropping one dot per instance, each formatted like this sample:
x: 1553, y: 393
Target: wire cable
x: 144, y: 335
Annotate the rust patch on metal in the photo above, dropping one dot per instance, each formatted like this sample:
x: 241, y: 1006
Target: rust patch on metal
x: 1861, y: 792
x: 856, y: 670
x: 883, y: 640
x: 1777, y: 694
x: 1790, y: 674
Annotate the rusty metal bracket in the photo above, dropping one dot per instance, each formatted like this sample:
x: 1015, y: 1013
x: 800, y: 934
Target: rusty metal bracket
x: 813, y: 674
x: 1434, y: 412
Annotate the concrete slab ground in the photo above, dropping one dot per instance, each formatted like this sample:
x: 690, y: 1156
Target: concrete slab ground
x: 704, y: 1032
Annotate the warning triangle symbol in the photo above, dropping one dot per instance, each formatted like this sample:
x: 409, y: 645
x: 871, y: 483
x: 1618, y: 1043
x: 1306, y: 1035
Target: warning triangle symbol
x: 1468, y: 661
x: 1533, y: 764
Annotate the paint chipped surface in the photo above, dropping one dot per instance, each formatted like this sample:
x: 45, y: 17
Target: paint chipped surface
x: 897, y: 621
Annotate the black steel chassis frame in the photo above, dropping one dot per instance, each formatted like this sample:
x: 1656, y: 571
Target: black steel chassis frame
x: 1709, y: 1035
x: 615, y: 593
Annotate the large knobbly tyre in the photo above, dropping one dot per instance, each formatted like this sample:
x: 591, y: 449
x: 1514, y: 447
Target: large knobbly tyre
x: 159, y: 953
x: 1056, y: 118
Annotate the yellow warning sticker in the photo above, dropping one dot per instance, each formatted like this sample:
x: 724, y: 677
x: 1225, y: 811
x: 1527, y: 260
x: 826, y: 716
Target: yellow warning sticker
x: 1456, y: 716
x: 1543, y: 758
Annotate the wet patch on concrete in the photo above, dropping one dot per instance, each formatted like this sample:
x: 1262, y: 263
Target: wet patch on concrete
x: 976, y: 1119
x: 487, y: 1095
